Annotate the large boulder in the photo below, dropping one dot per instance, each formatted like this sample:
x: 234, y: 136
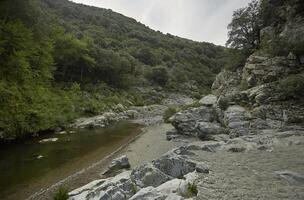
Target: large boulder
x: 185, y: 122
x: 205, y: 129
x: 226, y: 82
x: 118, y: 187
x: 174, y: 165
x: 209, y: 100
x: 117, y: 164
x: 148, y: 193
x: 148, y: 175
x: 237, y: 119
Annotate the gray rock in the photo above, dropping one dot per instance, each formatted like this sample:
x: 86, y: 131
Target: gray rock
x: 118, y: 187
x: 171, y: 135
x: 209, y: 100
x: 202, y: 168
x: 47, y: 140
x: 237, y: 120
x: 174, y: 165
x: 239, y: 145
x: 117, y: 164
x: 177, y: 186
x: 148, y: 175
x: 206, y: 128
x: 148, y: 193
x: 291, y: 177
x: 205, y: 146
x: 186, y: 122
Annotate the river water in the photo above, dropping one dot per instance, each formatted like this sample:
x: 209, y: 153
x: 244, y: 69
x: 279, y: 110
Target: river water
x: 30, y: 166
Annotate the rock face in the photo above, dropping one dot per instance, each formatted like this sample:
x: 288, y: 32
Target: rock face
x: 186, y: 122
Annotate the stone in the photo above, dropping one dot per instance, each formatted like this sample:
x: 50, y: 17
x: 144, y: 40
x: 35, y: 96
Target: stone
x: 117, y: 164
x: 62, y: 133
x: 202, y: 168
x: 47, y: 140
x: 209, y: 100
x: 148, y: 193
x: 185, y: 122
x: 171, y: 135
x: 174, y: 165
x: 238, y: 145
x: 118, y: 187
x: 205, y: 146
x: 177, y: 186
x: 206, y: 128
x: 291, y: 177
x: 148, y: 175
x: 237, y: 119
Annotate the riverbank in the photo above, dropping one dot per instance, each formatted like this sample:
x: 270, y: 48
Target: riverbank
x: 77, y: 171
x: 140, y: 149
x: 220, y: 154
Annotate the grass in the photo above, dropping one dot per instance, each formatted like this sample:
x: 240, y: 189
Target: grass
x: 191, y: 190
x: 61, y: 194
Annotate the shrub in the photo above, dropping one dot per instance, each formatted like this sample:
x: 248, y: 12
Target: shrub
x: 61, y: 194
x: 223, y: 103
x: 291, y: 87
x: 169, y: 113
x: 191, y: 190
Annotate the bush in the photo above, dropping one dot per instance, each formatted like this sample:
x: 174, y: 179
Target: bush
x: 223, y: 103
x: 169, y: 113
x: 191, y: 190
x: 61, y: 194
x: 291, y: 87
x: 158, y: 75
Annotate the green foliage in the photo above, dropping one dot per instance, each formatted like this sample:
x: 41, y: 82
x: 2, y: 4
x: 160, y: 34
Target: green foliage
x: 61, y: 194
x: 158, y: 75
x: 223, y: 103
x: 291, y: 87
x: 244, y: 30
x: 169, y: 113
x: 191, y: 190
x: 61, y: 60
x: 235, y: 59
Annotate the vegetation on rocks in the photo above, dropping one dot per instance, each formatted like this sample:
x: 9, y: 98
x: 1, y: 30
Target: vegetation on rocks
x: 61, y: 194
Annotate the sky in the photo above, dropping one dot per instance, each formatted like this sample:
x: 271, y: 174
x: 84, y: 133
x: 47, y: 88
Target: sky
x: 199, y: 20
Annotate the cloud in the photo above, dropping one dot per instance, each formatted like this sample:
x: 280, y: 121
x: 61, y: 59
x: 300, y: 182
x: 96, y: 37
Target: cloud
x: 200, y: 20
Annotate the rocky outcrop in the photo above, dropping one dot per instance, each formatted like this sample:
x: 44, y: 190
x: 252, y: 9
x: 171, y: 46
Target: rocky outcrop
x: 118, y: 187
x: 186, y: 122
x: 160, y: 179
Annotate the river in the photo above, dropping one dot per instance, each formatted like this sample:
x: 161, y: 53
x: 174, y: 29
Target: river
x: 30, y: 166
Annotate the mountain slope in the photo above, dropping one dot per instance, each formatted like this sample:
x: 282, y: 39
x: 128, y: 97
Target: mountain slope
x: 61, y: 60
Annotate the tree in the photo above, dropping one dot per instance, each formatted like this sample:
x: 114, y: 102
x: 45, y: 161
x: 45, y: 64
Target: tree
x: 244, y: 30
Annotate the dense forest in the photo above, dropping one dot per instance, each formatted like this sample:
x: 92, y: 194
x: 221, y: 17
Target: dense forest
x: 61, y: 60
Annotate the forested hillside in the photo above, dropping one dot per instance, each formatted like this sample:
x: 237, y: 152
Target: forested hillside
x: 61, y: 60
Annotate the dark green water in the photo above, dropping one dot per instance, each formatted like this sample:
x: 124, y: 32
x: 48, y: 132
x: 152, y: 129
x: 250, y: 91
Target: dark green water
x: 20, y: 167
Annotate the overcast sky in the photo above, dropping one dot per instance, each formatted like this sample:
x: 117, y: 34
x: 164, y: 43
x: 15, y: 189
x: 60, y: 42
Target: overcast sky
x: 200, y: 20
